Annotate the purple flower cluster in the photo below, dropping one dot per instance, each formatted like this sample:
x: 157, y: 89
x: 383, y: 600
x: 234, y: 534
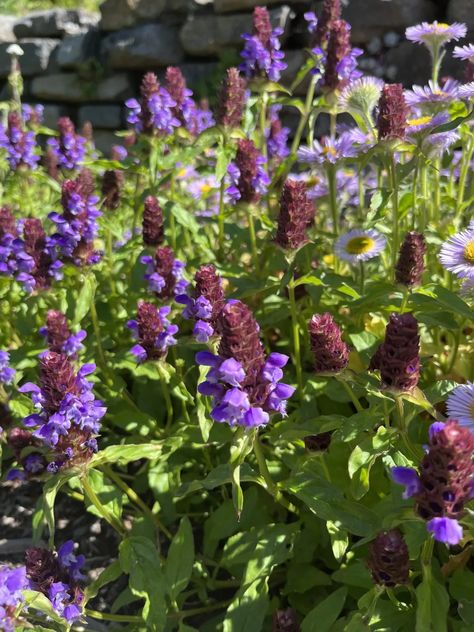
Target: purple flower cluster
x: 7, y: 374
x: 59, y: 337
x: 205, y: 303
x: 8, y: 233
x: 154, y: 111
x: 261, y: 54
x: 249, y: 180
x: 153, y: 331
x: 68, y: 148
x: 57, y: 577
x: 36, y: 258
x: 12, y: 582
x: 244, y: 383
x: 77, y: 225
x: 195, y: 119
x: 164, y: 273
x: 444, y: 483
x: 328, y: 150
x: 276, y: 136
x: 19, y: 143
x: 32, y: 114
x: 68, y: 417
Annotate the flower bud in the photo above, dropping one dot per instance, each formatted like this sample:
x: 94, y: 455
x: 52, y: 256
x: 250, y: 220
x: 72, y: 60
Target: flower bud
x: 410, y: 266
x: 231, y: 99
x: 296, y: 211
x: 393, y: 112
x: 153, y: 228
x: 331, y: 354
x: 388, y: 559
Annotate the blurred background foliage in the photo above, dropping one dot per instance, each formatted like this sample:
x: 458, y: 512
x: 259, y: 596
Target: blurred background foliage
x: 24, y: 6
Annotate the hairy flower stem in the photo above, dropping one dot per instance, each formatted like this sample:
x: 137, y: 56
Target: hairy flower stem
x: 135, y: 498
x: 436, y: 58
x: 426, y: 556
x: 171, y: 214
x: 465, y: 168
x: 296, y: 337
x: 305, y: 115
x: 415, y: 454
x: 166, y: 396
x: 378, y: 591
x: 110, y: 261
x: 114, y: 522
x: 221, y: 218
x: 395, y: 212
x: 263, y: 122
x: 362, y: 278
x: 118, y: 618
x: 354, y: 399
x: 265, y: 473
x: 253, y: 236
x: 406, y: 297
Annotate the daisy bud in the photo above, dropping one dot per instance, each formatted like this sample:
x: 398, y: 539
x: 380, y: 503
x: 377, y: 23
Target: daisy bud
x: 331, y: 354
x: 285, y: 621
x: 231, y: 99
x: 296, y: 212
x: 393, y: 112
x: 410, y: 265
x: 112, y: 183
x: 388, y: 559
x: 240, y: 339
x: 397, y: 358
x: 331, y: 11
x: 209, y: 284
x: 153, y: 228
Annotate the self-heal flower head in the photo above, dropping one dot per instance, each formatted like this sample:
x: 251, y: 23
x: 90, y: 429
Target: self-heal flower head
x: 457, y: 254
x: 69, y: 148
x: 296, y: 214
x: 59, y: 336
x: 341, y: 59
x: 359, y: 245
x: 276, y: 136
x: 231, y: 99
x: 13, y: 581
x: 7, y: 374
x: 331, y: 353
x: 153, y: 222
x: 398, y: 357
x: 164, y: 273
x: 32, y: 114
x: 433, y: 94
x: 460, y: 405
x: 321, y: 26
x: 36, y: 257
x: 435, y: 35
x: 244, y: 383
x: 57, y: 575
x: 68, y: 416
x: 388, y: 561
x: 8, y: 233
x: 261, y: 54
x: 77, y: 225
x: 391, y: 122
x: 112, y: 185
x: 410, y: 265
x: 153, y: 331
x: 444, y: 483
x: 153, y: 112
x: 175, y: 84
x: 19, y: 144
x: 204, y: 303
x: 328, y: 150
x: 249, y: 179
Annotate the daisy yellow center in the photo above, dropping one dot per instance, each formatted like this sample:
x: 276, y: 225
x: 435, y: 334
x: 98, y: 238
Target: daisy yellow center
x: 359, y: 245
x: 443, y: 25
x: 181, y: 173
x: 329, y: 150
x: 423, y: 120
x: 205, y: 188
x: 469, y: 251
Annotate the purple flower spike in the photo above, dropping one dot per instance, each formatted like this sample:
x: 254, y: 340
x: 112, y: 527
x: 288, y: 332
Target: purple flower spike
x: 154, y: 112
x: 445, y: 530
x: 68, y: 148
x: 262, y: 55
x: 7, y: 374
x: 153, y: 331
x: 19, y: 143
x: 408, y: 477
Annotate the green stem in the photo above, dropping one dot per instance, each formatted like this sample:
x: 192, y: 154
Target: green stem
x: 119, y: 618
x: 110, y: 261
x: 403, y: 430
x: 454, y: 352
x: 426, y: 556
x: 253, y: 236
x: 296, y: 338
x: 100, y: 349
x: 203, y: 609
x: 166, y: 395
x: 332, y: 186
x: 103, y: 511
x: 395, y: 212
x: 263, y: 123
x: 406, y: 296
x: 135, y: 498
x: 305, y: 116
x: 265, y: 473
x: 467, y: 156
x: 220, y: 218
x: 172, y: 219
x: 362, y: 278
x: 354, y: 399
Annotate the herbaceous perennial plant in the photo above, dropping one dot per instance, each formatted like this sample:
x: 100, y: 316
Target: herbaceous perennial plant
x: 243, y: 355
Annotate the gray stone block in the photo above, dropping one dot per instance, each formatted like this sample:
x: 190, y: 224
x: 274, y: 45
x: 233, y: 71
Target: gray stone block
x: 462, y: 11
x: 105, y: 116
x: 225, y: 6
x: 53, y: 111
x: 53, y: 23
x: 207, y: 35
x: 104, y: 140
x: 76, y: 49
x: 121, y: 14
x: 6, y: 28
x: 36, y: 57
x: 69, y: 88
x: 143, y: 47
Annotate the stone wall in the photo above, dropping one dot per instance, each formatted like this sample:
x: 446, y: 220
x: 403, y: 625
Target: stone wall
x: 85, y: 65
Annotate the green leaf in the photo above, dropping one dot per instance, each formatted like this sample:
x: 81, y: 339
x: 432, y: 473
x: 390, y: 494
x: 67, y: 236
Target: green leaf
x: 247, y: 612
x: 322, y: 617
x: 453, y: 302
x: 339, y: 539
x: 84, y: 299
x: 50, y: 490
x: 108, y: 575
x: 224, y: 155
x: 37, y: 601
x: 179, y: 563
x: 241, y: 446
x: 109, y: 495
x: 363, y: 458
x: 432, y: 606
x: 140, y: 560
x: 123, y: 454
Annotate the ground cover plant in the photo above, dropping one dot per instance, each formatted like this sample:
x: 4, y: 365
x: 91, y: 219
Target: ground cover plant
x: 246, y: 354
